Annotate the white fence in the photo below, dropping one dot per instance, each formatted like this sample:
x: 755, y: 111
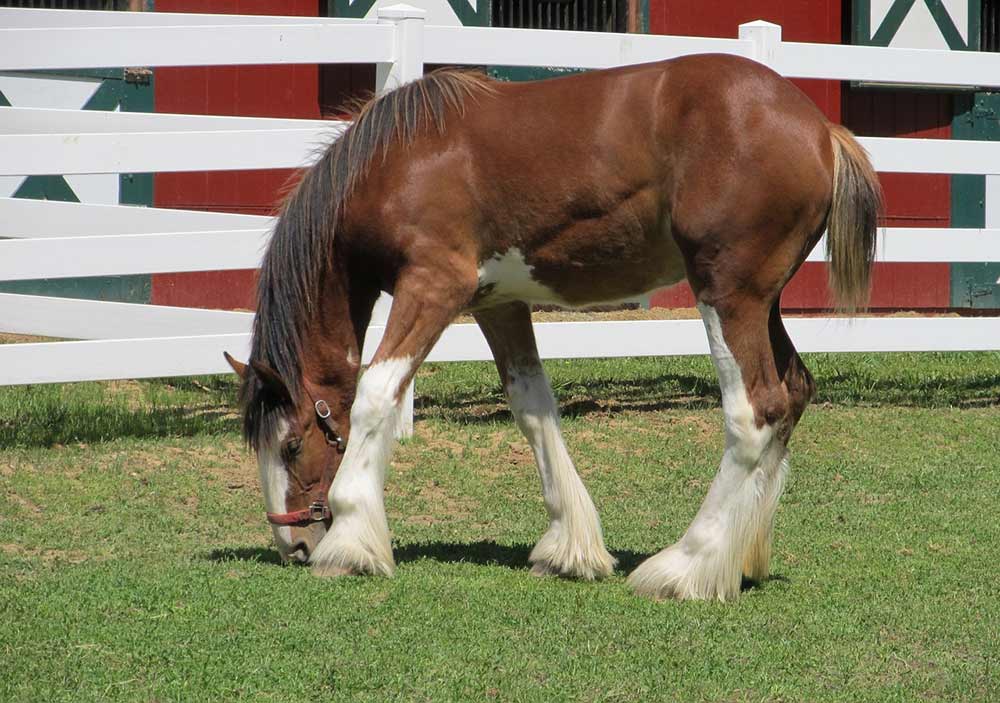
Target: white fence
x: 52, y: 240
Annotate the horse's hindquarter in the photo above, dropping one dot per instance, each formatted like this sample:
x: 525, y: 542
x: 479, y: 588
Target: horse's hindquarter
x: 751, y: 171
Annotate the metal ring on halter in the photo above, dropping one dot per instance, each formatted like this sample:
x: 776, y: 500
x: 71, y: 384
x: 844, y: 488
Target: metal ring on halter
x: 322, y: 409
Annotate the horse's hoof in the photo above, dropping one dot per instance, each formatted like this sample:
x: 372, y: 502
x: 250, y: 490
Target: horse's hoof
x: 598, y: 566
x: 330, y: 571
x: 675, y: 574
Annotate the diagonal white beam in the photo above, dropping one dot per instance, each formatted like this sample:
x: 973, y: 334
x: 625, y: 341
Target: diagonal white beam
x: 44, y: 154
x: 23, y: 217
x: 90, y: 319
x: 124, y: 254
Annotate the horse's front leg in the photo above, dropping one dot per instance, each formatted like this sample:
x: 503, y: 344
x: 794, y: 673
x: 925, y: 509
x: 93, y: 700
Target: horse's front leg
x: 358, y: 541
x: 574, y: 544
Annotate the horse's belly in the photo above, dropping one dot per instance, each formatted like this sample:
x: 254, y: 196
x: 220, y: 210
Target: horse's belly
x: 507, y: 276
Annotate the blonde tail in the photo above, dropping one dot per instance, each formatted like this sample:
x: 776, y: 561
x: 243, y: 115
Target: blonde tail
x: 853, y: 221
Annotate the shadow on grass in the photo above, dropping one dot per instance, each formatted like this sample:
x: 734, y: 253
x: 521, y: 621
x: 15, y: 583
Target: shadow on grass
x: 751, y: 585
x: 483, y: 553
x: 257, y: 554
x: 70, y: 425
x: 597, y: 396
x: 45, y: 415
x: 487, y: 553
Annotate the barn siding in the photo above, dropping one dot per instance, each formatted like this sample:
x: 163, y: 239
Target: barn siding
x: 255, y: 91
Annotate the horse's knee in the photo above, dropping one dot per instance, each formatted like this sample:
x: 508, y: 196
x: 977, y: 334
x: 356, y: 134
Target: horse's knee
x: 378, y: 394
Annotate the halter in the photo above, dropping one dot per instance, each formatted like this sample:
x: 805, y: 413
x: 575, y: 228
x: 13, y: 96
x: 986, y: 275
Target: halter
x: 318, y: 510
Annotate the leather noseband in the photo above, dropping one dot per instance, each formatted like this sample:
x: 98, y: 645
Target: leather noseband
x: 319, y: 509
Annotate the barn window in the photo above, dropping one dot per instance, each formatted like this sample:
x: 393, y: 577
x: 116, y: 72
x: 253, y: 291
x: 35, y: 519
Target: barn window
x: 581, y: 15
x: 989, y: 27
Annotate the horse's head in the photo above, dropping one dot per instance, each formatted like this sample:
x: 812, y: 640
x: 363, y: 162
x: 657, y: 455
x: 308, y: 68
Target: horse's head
x: 299, y: 445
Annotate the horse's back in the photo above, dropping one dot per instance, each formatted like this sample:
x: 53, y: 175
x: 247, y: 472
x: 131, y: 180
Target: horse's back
x: 591, y: 185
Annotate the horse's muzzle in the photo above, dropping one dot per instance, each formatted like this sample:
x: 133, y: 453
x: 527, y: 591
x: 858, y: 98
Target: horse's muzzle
x: 303, y: 543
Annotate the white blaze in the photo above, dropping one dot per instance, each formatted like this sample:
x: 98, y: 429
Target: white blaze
x: 274, y: 483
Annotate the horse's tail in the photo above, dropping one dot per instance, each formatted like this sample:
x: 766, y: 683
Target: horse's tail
x: 853, y: 220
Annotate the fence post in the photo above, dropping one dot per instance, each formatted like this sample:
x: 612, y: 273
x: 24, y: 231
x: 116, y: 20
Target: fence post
x: 408, y: 58
x: 766, y: 38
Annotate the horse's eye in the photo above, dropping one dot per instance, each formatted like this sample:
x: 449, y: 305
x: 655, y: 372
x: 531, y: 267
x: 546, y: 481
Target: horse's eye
x: 292, y: 448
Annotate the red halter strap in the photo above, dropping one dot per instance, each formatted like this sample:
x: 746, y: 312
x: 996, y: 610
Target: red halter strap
x: 318, y: 510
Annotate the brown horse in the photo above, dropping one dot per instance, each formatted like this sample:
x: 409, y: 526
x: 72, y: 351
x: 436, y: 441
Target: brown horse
x: 458, y: 193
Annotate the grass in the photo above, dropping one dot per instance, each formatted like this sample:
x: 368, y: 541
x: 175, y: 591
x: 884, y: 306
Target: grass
x: 135, y: 563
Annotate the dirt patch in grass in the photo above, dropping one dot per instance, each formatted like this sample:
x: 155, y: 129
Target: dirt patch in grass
x: 28, y: 505
x: 47, y: 555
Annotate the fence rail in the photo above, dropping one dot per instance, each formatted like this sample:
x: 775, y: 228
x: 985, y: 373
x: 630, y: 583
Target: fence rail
x: 202, y: 354
x: 132, y: 341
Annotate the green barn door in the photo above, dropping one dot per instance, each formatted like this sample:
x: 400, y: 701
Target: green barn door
x: 976, y: 285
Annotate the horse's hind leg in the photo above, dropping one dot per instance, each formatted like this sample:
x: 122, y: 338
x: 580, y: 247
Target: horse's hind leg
x: 574, y: 544
x: 798, y: 383
x: 764, y: 390
x: 358, y: 540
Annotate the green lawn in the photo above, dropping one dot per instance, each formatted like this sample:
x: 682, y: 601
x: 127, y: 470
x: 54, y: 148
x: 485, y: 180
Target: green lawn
x: 135, y: 563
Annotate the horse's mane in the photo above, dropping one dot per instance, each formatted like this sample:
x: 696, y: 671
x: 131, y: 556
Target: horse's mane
x: 301, y: 246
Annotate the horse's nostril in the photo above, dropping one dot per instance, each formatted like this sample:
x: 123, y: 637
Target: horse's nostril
x: 298, y: 553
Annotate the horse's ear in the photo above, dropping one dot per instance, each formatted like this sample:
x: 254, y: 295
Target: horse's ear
x: 239, y: 368
x: 271, y: 380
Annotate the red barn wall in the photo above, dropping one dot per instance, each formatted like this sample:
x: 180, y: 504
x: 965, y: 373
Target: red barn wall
x: 256, y: 91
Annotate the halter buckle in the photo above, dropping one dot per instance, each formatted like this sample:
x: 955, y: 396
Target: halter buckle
x: 322, y: 409
x: 317, y: 512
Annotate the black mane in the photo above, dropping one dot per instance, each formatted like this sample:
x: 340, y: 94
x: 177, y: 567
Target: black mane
x: 301, y: 247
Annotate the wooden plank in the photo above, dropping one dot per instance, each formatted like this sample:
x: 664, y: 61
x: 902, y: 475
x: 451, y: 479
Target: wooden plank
x: 533, y: 47
x: 143, y: 152
x: 885, y: 65
x: 929, y: 245
x: 25, y: 18
x: 184, y: 356
x: 89, y: 319
x: 29, y: 259
x: 23, y: 217
x: 31, y: 120
x: 201, y: 45
x: 896, y: 154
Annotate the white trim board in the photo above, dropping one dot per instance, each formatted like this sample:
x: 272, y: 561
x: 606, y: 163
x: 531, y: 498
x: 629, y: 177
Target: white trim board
x: 929, y: 245
x: 199, y: 45
x: 90, y: 319
x: 127, y: 254
x: 24, y: 217
x: 144, y: 152
x: 28, y: 18
x: 52, y: 362
x: 38, y: 120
